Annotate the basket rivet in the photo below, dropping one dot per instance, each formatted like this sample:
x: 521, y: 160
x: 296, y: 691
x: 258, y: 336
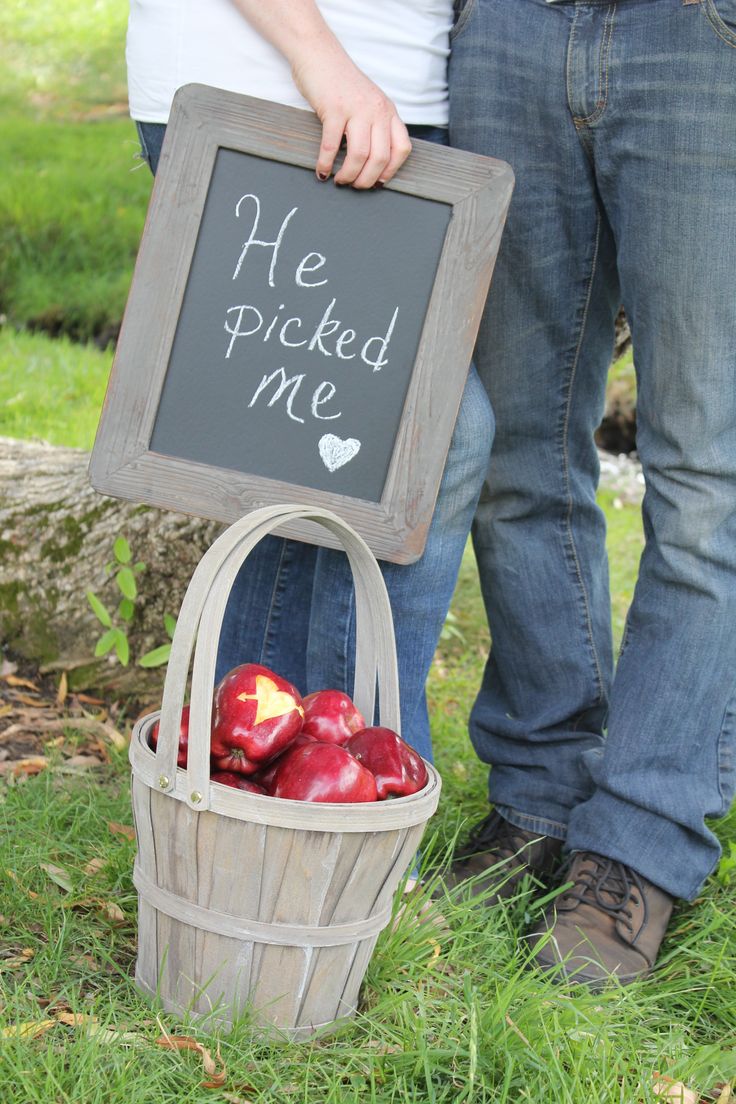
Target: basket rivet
x: 163, y: 782
x: 196, y: 797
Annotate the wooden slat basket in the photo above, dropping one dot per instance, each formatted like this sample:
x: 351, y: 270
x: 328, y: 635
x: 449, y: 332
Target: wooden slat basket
x: 252, y: 902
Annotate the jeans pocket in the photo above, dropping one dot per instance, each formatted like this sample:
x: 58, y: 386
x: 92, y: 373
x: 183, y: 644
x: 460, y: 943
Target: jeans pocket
x: 722, y: 17
x: 463, y: 9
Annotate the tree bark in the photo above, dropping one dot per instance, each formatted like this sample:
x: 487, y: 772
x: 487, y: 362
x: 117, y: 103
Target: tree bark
x: 56, y: 535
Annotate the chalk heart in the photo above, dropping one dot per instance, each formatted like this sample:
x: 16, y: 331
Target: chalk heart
x: 335, y: 452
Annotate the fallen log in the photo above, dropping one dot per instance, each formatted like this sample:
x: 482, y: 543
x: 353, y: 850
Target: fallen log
x: 56, y: 536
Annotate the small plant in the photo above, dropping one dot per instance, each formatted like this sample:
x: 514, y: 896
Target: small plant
x: 451, y: 629
x: 727, y: 866
x: 115, y: 635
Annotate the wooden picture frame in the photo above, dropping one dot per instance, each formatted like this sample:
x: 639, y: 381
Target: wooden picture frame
x: 204, y: 121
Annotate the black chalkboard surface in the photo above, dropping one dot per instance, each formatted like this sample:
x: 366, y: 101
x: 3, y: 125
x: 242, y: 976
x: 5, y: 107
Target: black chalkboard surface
x: 292, y: 358
x: 286, y: 340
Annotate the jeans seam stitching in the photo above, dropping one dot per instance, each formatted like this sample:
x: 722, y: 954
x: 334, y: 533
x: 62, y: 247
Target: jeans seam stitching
x: 344, y: 657
x: 625, y: 636
x: 566, y: 468
x: 529, y: 819
x: 725, y: 34
x: 605, y: 51
x: 462, y: 19
x: 276, y: 589
x: 720, y: 753
x: 568, y: 65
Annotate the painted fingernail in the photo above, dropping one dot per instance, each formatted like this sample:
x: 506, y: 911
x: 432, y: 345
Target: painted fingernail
x: 378, y: 184
x: 323, y: 176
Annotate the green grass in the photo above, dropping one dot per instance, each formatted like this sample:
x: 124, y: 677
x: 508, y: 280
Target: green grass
x: 51, y: 389
x: 449, y: 1014
x: 625, y: 545
x: 469, y: 1023
x: 623, y: 373
x: 59, y: 59
x: 71, y: 205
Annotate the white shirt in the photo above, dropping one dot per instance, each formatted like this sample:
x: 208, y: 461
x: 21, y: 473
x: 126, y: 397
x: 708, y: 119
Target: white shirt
x: 402, y: 45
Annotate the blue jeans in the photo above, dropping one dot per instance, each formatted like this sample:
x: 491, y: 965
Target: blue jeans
x: 619, y: 119
x: 291, y: 607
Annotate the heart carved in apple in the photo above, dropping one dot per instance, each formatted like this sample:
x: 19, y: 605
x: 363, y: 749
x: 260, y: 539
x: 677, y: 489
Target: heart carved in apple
x: 256, y: 715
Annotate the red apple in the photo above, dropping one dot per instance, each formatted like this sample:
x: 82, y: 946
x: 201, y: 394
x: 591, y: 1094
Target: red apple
x: 398, y: 769
x: 256, y: 715
x: 331, y: 716
x: 322, y: 772
x: 264, y: 777
x: 234, y: 759
x: 181, y: 755
x: 238, y: 781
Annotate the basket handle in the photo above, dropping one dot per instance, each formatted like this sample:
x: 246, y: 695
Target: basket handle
x: 200, y: 621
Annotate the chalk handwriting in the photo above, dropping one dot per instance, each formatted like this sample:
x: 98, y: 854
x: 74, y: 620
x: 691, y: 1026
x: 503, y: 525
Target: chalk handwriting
x: 245, y: 320
x: 304, y: 267
x: 317, y: 331
x: 252, y: 240
x: 290, y: 387
x: 294, y: 383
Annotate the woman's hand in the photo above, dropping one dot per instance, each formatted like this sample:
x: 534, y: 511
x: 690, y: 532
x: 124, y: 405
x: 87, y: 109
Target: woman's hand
x: 346, y: 101
x: 349, y: 104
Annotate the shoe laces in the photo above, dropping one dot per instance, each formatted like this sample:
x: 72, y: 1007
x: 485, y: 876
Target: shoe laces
x: 606, y: 884
x: 494, y: 831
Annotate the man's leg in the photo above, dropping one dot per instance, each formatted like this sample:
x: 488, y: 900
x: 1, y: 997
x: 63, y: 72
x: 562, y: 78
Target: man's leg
x: 665, y: 156
x: 543, y: 353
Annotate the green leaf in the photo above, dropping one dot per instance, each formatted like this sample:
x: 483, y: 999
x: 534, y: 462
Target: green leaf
x: 138, y: 567
x: 170, y: 624
x: 98, y: 609
x: 126, y: 581
x: 122, y: 648
x: 106, y: 642
x: 58, y: 875
x: 121, y: 548
x: 126, y: 609
x: 156, y: 658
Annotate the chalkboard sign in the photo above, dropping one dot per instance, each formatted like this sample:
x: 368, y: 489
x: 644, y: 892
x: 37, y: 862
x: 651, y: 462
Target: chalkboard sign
x: 287, y: 361
x: 287, y: 340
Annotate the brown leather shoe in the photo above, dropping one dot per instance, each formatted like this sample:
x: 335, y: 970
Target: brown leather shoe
x: 609, y: 924
x: 506, y: 856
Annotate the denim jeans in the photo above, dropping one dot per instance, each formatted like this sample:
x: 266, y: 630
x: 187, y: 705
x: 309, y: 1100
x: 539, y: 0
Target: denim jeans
x: 619, y: 119
x: 291, y: 606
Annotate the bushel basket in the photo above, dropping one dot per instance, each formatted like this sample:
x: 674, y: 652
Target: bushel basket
x: 259, y: 903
